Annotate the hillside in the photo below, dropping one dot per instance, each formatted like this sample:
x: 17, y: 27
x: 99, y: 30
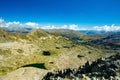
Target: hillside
x: 108, y: 43
x: 43, y: 50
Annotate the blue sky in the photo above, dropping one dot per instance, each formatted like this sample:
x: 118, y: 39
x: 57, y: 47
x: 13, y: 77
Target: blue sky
x: 85, y: 13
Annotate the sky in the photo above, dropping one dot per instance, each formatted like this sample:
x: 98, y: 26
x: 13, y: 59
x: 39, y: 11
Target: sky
x: 80, y: 13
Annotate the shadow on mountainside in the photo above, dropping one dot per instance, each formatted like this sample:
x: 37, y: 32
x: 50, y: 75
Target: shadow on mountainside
x: 37, y: 65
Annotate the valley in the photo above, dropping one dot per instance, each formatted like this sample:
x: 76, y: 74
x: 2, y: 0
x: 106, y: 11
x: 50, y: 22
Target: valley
x: 50, y: 50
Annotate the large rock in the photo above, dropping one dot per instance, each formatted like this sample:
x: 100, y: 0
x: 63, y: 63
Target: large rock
x: 26, y: 73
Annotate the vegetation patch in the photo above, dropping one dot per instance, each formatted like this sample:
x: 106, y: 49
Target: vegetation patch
x: 89, y: 52
x: 46, y: 53
x: 66, y: 47
x: 20, y: 51
x: 57, y: 48
x: 51, y: 62
x: 80, y: 56
x: 5, y: 52
x: 5, y: 70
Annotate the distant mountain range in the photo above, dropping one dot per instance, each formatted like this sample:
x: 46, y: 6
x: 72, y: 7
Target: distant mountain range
x: 27, y: 29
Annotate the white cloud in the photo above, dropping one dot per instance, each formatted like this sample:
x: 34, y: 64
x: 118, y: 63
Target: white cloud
x: 64, y: 27
x: 36, y: 25
x: 107, y: 28
x: 71, y: 27
x: 32, y: 24
x: 1, y: 20
x: 9, y: 24
x: 74, y: 27
x: 17, y: 24
x: 12, y: 24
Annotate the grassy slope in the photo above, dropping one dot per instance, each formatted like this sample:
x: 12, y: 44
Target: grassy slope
x: 28, y: 49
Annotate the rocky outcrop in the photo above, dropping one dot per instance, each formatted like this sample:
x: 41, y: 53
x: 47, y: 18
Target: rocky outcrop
x: 103, y: 68
x: 25, y: 73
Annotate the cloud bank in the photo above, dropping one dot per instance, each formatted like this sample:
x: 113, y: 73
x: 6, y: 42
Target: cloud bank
x: 17, y: 24
x: 113, y: 27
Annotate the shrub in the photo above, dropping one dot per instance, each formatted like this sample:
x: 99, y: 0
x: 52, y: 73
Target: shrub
x: 51, y: 62
x: 46, y: 53
x: 66, y: 47
x: 89, y: 52
x: 19, y: 50
x: 57, y: 48
x: 80, y: 56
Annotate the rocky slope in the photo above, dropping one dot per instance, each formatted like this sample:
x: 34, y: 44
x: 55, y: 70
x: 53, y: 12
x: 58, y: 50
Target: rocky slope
x: 103, y: 68
x: 39, y: 49
x: 28, y: 73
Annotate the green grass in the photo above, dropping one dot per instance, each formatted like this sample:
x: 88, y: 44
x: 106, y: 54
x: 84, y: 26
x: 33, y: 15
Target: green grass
x: 5, y: 53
